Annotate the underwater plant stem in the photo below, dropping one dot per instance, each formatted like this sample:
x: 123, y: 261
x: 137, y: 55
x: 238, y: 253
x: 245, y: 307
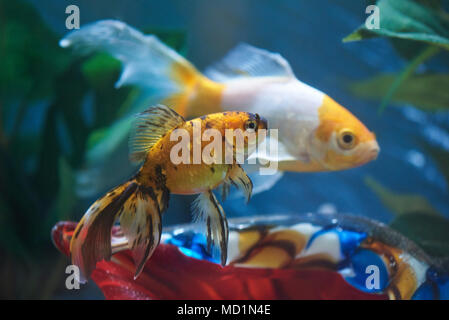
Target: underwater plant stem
x: 415, y: 63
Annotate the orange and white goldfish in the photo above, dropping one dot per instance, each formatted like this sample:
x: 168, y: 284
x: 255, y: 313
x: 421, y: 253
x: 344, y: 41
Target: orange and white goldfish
x: 315, y: 132
x: 139, y: 202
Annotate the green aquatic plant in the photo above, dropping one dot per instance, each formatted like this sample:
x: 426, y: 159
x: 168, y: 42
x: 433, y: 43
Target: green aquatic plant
x: 400, y: 204
x: 413, y: 26
x: 419, y: 31
x: 54, y: 110
x: 414, y: 20
x: 414, y: 90
x: 415, y: 218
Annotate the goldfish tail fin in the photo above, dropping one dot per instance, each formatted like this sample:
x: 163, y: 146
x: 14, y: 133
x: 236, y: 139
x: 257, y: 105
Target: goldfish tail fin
x: 147, y: 62
x: 137, y: 208
x: 91, y: 241
x: 209, y: 212
x: 141, y: 222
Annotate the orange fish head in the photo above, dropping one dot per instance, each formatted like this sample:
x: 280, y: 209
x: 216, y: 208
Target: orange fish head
x: 252, y: 127
x: 246, y: 129
x: 235, y: 120
x: 341, y: 140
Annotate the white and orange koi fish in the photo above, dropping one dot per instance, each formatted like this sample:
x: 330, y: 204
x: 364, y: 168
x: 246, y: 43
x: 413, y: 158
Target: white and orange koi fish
x: 315, y: 132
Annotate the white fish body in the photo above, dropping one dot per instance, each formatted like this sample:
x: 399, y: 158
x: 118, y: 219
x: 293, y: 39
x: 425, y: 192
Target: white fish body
x: 315, y: 132
x: 288, y: 104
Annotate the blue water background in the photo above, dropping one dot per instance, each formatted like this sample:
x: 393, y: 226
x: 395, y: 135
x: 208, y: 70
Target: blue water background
x: 308, y: 34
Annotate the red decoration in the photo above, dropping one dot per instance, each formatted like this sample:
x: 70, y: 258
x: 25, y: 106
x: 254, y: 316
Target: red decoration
x: 169, y: 274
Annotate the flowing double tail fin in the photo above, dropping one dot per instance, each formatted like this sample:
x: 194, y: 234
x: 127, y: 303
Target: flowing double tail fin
x: 138, y: 210
x: 148, y: 63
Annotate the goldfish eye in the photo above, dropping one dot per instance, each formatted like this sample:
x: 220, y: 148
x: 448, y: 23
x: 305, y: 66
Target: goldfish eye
x: 346, y: 140
x: 250, y: 125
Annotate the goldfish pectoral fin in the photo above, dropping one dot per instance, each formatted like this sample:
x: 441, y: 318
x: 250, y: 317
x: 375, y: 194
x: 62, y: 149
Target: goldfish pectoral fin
x: 238, y: 177
x: 246, y: 60
x: 149, y: 127
x: 264, y: 182
x: 261, y: 182
x: 91, y: 241
x: 210, y: 214
x: 272, y: 150
x: 140, y: 220
x: 225, y: 189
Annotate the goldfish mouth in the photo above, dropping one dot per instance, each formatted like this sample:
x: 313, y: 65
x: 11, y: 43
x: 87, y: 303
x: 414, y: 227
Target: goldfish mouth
x: 366, y: 152
x: 371, y: 153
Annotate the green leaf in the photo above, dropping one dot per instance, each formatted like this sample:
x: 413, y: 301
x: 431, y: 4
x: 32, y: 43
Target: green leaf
x: 415, y: 218
x: 28, y: 60
x: 430, y: 232
x: 403, y: 20
x: 401, y: 204
x: 100, y: 69
x: 408, y: 19
x: 425, y: 91
x: 409, y: 70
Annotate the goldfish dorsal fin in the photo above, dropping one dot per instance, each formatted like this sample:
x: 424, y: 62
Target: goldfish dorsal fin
x: 150, y: 126
x: 249, y: 61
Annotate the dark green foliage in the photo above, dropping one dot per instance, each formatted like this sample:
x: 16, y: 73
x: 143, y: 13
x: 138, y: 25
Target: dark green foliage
x: 418, y: 30
x: 422, y: 21
x: 428, y: 231
x: 426, y: 91
x: 415, y: 218
x: 51, y: 104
